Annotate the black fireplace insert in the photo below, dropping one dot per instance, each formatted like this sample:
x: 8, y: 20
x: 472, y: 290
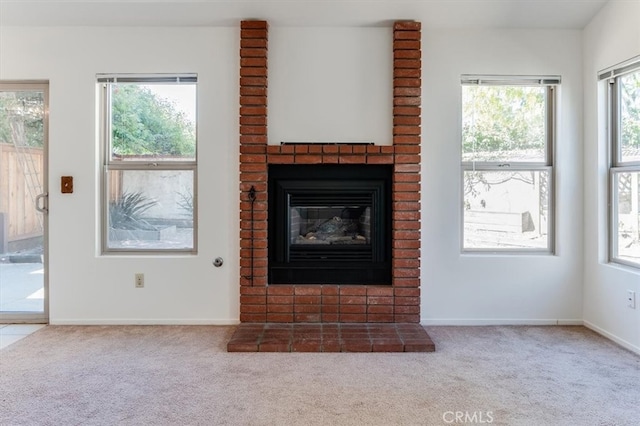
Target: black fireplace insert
x: 329, y: 224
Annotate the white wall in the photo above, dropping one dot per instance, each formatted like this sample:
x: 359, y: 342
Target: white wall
x: 84, y: 286
x: 490, y: 289
x: 89, y: 288
x: 612, y: 37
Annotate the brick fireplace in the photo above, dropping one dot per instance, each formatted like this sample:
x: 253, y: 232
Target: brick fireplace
x: 392, y: 304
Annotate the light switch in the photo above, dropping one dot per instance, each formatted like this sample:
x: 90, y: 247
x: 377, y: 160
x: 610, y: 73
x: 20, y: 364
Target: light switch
x: 66, y: 184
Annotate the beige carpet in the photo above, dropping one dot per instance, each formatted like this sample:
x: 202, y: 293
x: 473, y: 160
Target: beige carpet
x: 182, y: 375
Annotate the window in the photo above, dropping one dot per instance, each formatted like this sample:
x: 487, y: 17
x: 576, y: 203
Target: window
x: 149, y: 163
x: 624, y: 171
x: 507, y: 163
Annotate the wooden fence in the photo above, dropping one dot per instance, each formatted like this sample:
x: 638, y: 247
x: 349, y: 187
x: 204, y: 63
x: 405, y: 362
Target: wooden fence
x: 17, y: 203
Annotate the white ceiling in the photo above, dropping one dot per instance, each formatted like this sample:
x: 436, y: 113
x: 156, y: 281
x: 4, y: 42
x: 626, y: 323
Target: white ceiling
x: 569, y: 14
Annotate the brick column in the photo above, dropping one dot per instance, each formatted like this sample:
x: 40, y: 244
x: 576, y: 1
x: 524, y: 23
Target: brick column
x: 253, y: 170
x: 407, y: 89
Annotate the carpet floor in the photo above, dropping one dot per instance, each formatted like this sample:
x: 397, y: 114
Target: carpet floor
x: 183, y: 375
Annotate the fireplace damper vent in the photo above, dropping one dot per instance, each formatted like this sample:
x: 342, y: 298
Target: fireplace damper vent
x: 329, y: 224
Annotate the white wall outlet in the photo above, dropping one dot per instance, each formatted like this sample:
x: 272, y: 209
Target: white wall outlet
x: 139, y: 280
x: 631, y: 299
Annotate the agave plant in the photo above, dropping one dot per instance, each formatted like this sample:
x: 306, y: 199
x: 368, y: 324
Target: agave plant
x: 126, y: 212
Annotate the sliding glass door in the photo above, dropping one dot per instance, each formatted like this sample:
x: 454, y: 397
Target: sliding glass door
x: 23, y: 202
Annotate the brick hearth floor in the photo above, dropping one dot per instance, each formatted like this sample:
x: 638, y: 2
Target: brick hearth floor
x: 330, y: 337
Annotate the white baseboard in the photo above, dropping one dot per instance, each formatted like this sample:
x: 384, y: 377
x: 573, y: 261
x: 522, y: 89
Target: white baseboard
x: 612, y: 337
x: 492, y: 321
x: 163, y: 321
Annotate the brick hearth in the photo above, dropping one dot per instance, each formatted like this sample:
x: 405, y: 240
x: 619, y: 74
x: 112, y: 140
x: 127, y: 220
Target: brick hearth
x: 397, y: 303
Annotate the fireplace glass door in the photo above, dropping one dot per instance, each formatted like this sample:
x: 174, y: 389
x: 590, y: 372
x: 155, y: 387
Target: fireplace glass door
x: 329, y: 225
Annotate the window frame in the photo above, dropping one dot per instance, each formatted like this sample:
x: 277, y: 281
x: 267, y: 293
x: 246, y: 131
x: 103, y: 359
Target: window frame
x: 551, y: 85
x: 108, y: 163
x: 615, y: 163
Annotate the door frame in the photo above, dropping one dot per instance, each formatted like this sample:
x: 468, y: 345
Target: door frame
x: 26, y: 316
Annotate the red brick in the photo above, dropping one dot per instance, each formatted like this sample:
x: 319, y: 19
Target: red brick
x: 301, y: 149
x: 379, y: 300
x: 386, y: 318
x: 353, y: 300
x: 407, y: 54
x: 406, y: 187
x: 407, y: 159
x: 402, y: 63
x: 346, y: 149
x: 253, y: 72
x: 353, y: 291
x: 330, y: 159
x: 379, y: 291
x: 407, y: 130
x: 406, y: 101
x: 273, y: 149
x: 315, y: 149
x: 279, y: 317
x: 251, y: 317
x: 253, y: 300
x: 408, y: 110
x: 330, y: 300
x: 253, y: 33
x: 411, y: 309
x: 408, y: 318
x: 253, y: 24
x: 279, y: 300
x: 401, y: 120
x: 406, y: 254
x: 406, y: 25
x: 309, y: 309
x: 408, y: 206
x: 287, y: 149
x: 352, y: 159
x: 254, y: 42
x: 406, y: 35
x: 407, y: 73
x: 308, y: 159
x: 280, y: 159
x: 380, y: 159
x: 328, y: 308
x: 406, y: 140
x: 406, y: 44
x: 256, y: 53
x: 407, y: 292
x: 407, y: 149
x: 253, y: 100
x: 253, y: 110
x: 406, y: 215
x: 406, y: 244
x: 308, y: 290
x: 406, y: 196
x: 330, y: 290
x: 253, y: 62
x: 280, y: 290
x: 307, y: 300
x: 279, y: 309
x: 307, y: 317
x: 253, y: 290
x: 353, y: 317
x: 406, y: 263
x: 359, y: 149
x: 251, y: 158
x: 407, y: 168
x: 253, y: 120
x: 306, y: 346
x: 330, y: 149
x: 253, y: 177
x: 382, y: 309
x: 253, y: 149
x: 253, y: 91
x: 253, y: 81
